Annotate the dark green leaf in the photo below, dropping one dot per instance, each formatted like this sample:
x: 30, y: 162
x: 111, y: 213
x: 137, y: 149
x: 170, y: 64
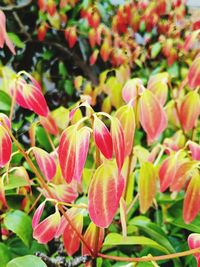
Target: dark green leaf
x: 5, y: 255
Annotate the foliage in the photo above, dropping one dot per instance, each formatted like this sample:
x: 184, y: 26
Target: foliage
x: 113, y: 165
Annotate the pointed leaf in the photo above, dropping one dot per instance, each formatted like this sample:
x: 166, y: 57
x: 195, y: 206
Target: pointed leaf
x: 117, y: 134
x: 152, y: 116
x: 189, y: 110
x: 167, y: 172
x: 194, y: 73
x: 5, y: 147
x: 102, y: 138
x: 191, y: 204
x: 46, y: 230
x: 195, y: 150
x: 83, y: 138
x: 147, y: 185
x: 194, y: 242
x: 89, y: 237
x: 67, y: 152
x: 45, y: 162
x: 126, y: 116
x: 37, y: 215
x: 104, y: 194
x: 49, y: 124
x: 70, y: 239
x: 132, y: 89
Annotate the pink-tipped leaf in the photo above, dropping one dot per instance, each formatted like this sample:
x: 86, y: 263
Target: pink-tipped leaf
x: 195, y: 150
x: 102, y: 138
x: 194, y: 242
x: 45, y: 162
x: 104, y: 194
x: 5, y: 146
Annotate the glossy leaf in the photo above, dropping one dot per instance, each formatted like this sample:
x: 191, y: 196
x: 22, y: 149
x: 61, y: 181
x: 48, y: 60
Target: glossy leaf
x: 67, y: 152
x: 167, y: 172
x: 189, y: 110
x: 195, y: 150
x: 45, y: 162
x: 5, y: 146
x: 117, y: 134
x: 104, y: 194
x: 126, y: 116
x: 70, y: 239
x: 152, y: 116
x: 114, y: 239
x: 28, y: 260
x: 82, y: 146
x: 147, y: 185
x: 102, y: 138
x: 46, y: 230
x: 89, y: 237
x: 19, y: 223
x: 194, y: 73
x: 191, y: 206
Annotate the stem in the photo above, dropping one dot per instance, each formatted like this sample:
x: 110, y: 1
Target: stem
x: 151, y: 258
x: 44, y: 185
x: 132, y: 203
x: 96, y: 240
x: 128, y: 175
x: 13, y: 101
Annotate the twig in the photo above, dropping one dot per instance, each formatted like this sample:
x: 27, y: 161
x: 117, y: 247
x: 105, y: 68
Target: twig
x: 61, y: 262
x: 21, y: 25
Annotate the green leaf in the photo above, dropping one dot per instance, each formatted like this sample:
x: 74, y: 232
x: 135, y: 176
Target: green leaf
x: 42, y: 139
x: 69, y: 88
x: 62, y: 69
x: 16, y: 40
x: 5, y: 101
x: 20, y: 223
x: 173, y: 70
x: 29, y: 260
x: 15, y: 182
x: 5, y: 255
x: 153, y: 231
x: 114, y: 239
x: 155, y: 49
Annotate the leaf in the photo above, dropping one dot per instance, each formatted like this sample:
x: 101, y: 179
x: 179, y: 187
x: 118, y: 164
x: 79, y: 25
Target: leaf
x: 194, y: 73
x: 45, y: 231
x: 126, y: 116
x: 61, y: 117
x: 194, y: 242
x: 152, y: 116
x: 29, y: 260
x: 67, y: 152
x: 20, y: 224
x: 45, y: 162
x: 131, y: 89
x: 49, y: 124
x: 195, y: 150
x: 5, y: 255
x: 117, y: 134
x: 114, y: 239
x: 147, y: 185
x: 16, y: 182
x: 153, y: 231
x: 104, y: 194
x: 5, y: 146
x: 5, y: 101
x: 102, y: 138
x: 123, y: 216
x: 16, y: 40
x: 191, y: 206
x: 155, y: 49
x: 167, y: 172
x: 89, y: 237
x: 189, y: 110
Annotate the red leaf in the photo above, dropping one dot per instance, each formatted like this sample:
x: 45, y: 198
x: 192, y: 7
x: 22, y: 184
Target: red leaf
x: 37, y: 215
x: 49, y: 124
x: 104, y: 194
x: 70, y: 239
x: 102, y: 138
x: 5, y: 146
x: 152, y: 116
x: 191, y: 204
x: 195, y: 150
x: 46, y: 230
x: 126, y: 116
x: 194, y: 73
x: 82, y: 145
x: 89, y: 237
x: 194, y: 242
x: 117, y: 134
x: 189, y: 110
x: 167, y: 172
x: 64, y: 192
x: 67, y: 152
x: 45, y: 162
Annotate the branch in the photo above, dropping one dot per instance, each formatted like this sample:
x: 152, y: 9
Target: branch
x: 15, y: 7
x: 61, y: 262
x: 87, y: 70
